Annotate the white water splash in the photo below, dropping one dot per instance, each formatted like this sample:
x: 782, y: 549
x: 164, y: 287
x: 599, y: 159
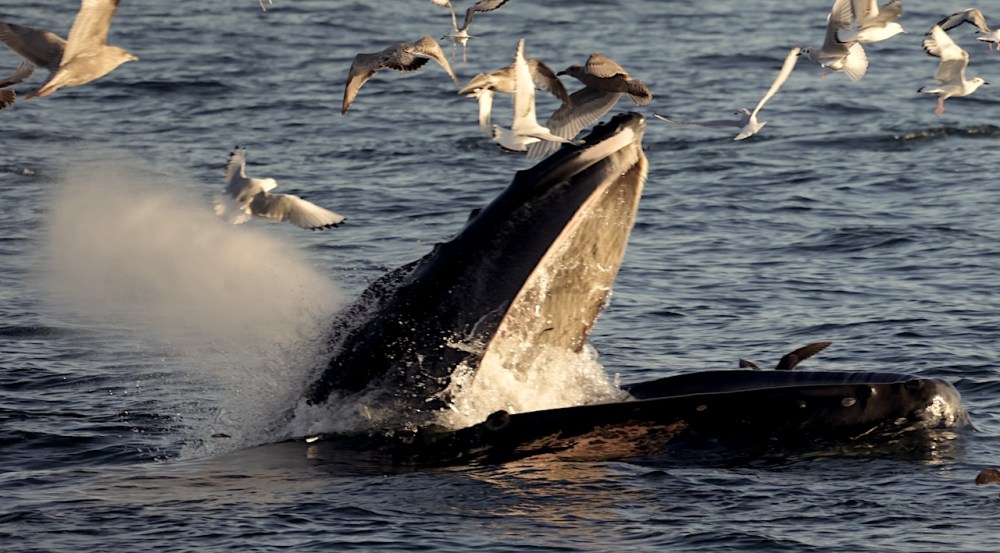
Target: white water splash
x: 555, y: 378
x: 244, y: 311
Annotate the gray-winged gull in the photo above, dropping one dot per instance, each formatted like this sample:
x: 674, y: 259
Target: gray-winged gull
x: 83, y: 57
x: 402, y: 57
x: 974, y: 17
x: 950, y: 74
x: 246, y: 197
x: 874, y: 24
x: 484, y: 85
x: 849, y: 58
x: 747, y: 122
x: 524, y: 129
x: 604, y: 82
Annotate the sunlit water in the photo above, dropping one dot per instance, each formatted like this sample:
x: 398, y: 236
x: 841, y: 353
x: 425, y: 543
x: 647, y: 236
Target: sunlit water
x: 151, y: 354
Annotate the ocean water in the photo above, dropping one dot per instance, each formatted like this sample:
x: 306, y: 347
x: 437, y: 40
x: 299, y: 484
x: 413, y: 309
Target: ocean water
x: 148, y: 351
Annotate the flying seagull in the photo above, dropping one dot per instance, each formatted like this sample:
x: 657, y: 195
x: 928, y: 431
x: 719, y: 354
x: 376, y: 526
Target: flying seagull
x: 245, y: 198
x: 456, y: 36
x: 951, y: 71
x: 83, y: 57
x: 747, y: 122
x: 974, y: 17
x: 525, y: 128
x: 604, y: 83
x: 484, y: 85
x: 837, y: 56
x: 790, y: 360
x: 874, y: 24
x: 481, y: 6
x: 407, y: 56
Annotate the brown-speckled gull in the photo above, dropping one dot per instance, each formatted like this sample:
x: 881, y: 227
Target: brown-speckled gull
x: 404, y: 57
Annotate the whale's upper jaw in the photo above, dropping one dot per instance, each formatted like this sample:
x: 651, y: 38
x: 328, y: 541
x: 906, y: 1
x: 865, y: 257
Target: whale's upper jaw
x: 534, y: 267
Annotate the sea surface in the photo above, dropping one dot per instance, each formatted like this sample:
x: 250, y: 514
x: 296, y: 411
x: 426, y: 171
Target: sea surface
x: 149, y: 353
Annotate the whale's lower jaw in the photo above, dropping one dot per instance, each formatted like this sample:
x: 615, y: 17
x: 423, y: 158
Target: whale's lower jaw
x: 534, y: 267
x: 727, y: 413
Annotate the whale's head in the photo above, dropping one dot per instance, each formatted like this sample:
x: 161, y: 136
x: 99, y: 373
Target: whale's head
x: 530, y: 270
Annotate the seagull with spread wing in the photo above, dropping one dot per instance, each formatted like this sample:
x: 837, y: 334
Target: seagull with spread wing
x: 484, y: 85
x: 245, y: 198
x: 404, y: 57
x: 524, y: 129
x: 747, y: 122
x: 976, y: 18
x: 604, y: 83
x: 874, y: 24
x: 83, y: 57
x: 837, y: 56
x: 950, y: 74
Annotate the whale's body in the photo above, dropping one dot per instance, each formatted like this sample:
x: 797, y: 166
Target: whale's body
x: 532, y: 270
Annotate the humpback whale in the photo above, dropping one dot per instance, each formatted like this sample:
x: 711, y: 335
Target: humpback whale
x: 533, y: 269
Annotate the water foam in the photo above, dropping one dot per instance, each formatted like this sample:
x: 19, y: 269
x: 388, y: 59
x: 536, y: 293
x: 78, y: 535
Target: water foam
x: 555, y: 378
x: 245, y: 311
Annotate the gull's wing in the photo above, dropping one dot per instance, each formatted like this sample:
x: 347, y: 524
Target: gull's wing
x: 447, y: 4
x: 7, y: 97
x: 864, y: 9
x: 855, y: 62
x: 970, y: 15
x: 586, y: 106
x: 41, y: 48
x: 744, y: 364
x: 891, y: 11
x: 485, y: 97
x: 481, y: 6
x: 953, y: 58
x: 790, y: 360
x: 839, y: 18
x: 90, y: 27
x: 705, y: 123
x: 604, y: 67
x: 786, y: 69
x: 363, y: 68
x: 524, y: 92
x: 546, y: 79
x: 23, y: 71
x: 287, y: 207
x: 428, y: 48
x: 481, y: 80
x: 236, y: 175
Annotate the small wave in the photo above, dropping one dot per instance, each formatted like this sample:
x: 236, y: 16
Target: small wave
x: 975, y: 131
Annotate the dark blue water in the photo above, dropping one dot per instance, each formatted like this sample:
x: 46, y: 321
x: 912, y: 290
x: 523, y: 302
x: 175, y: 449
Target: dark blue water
x: 148, y: 351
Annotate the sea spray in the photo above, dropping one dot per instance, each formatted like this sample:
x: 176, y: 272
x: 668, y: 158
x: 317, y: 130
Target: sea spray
x: 242, y: 308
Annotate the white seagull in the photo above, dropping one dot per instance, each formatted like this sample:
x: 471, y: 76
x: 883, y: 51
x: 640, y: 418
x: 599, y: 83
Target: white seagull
x: 245, y: 198
x: 874, y: 24
x: 456, y: 36
x: 975, y: 17
x: 835, y: 55
x: 484, y: 85
x: 525, y: 128
x: 747, y: 122
x: 951, y: 71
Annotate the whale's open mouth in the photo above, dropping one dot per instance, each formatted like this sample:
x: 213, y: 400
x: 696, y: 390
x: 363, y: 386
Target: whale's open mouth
x: 532, y: 268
